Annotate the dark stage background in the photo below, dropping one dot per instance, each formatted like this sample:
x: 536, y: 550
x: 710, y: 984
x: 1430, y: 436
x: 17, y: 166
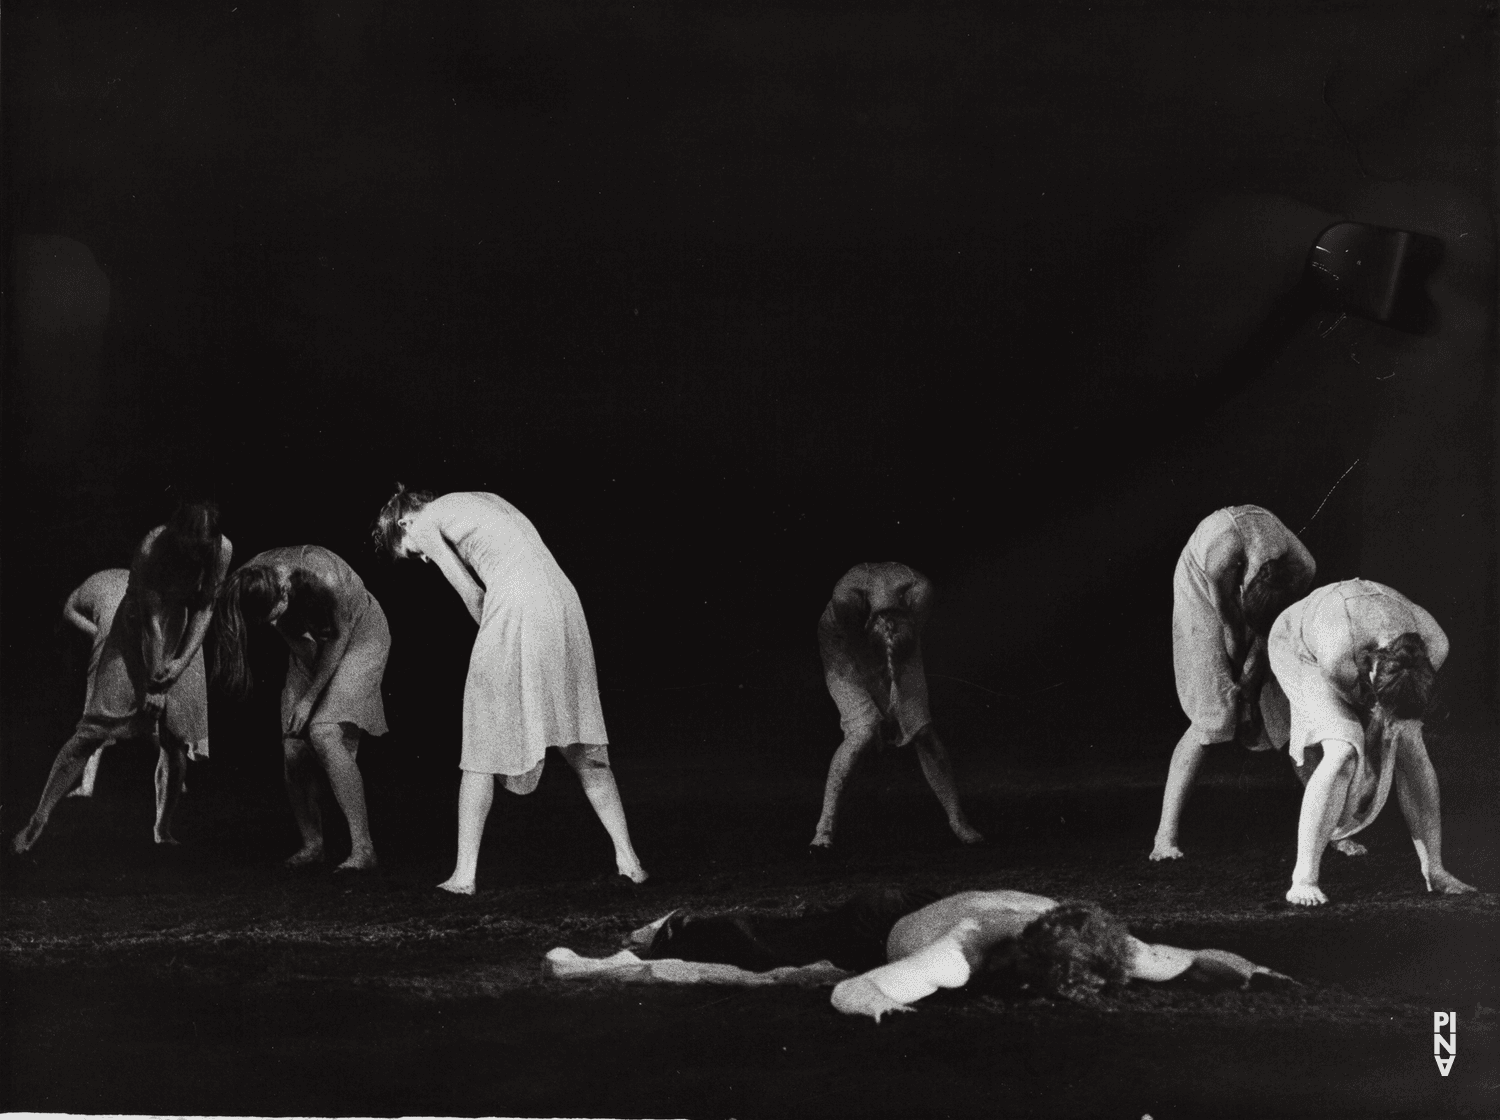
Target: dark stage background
x: 727, y: 298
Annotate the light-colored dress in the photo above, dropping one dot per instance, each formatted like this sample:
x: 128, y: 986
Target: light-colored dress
x: 855, y: 670
x: 1313, y: 648
x: 98, y: 599
x: 352, y: 694
x: 1210, y: 640
x: 532, y: 682
x: 118, y: 684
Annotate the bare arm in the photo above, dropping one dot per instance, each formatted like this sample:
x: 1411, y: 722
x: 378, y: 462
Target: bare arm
x: 78, y: 618
x: 919, y: 597
x: 1159, y: 963
x: 440, y: 551
x: 946, y: 963
x: 153, y: 641
x: 851, y: 609
x: 1307, y: 567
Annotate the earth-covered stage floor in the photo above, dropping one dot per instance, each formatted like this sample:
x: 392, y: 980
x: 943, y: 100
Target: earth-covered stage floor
x: 208, y: 980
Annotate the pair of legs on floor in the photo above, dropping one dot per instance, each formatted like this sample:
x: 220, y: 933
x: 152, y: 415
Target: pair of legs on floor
x: 332, y: 748
x: 936, y: 767
x: 1328, y: 769
x: 1187, y: 759
x: 476, y: 794
x: 75, y: 755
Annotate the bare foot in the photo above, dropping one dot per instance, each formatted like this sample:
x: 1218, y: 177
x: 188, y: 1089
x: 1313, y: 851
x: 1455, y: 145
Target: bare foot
x: 1444, y: 883
x: 966, y: 832
x: 1306, y: 894
x: 637, y: 875
x: 166, y: 838
x: 358, y: 861
x: 23, y: 840
x: 1351, y: 847
x: 1165, y: 851
x: 456, y: 886
x: 82, y: 791
x: 305, y: 855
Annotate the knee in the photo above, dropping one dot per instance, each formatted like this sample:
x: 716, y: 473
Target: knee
x: 294, y: 752
x: 927, y: 742
x: 859, y: 739
x: 81, y: 748
x: 326, y: 738
x: 1338, y: 758
x: 580, y: 758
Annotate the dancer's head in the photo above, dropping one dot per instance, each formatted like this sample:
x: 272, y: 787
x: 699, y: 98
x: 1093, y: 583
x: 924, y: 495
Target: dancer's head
x: 1273, y: 588
x: 249, y: 597
x: 185, y: 556
x: 389, y: 532
x: 1073, y: 950
x: 1399, y: 677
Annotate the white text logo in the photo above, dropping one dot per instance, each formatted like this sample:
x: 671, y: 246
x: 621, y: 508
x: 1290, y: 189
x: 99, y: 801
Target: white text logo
x: 1441, y: 1019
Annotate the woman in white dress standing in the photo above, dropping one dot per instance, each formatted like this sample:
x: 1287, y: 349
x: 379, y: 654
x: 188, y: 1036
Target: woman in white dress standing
x: 531, y: 682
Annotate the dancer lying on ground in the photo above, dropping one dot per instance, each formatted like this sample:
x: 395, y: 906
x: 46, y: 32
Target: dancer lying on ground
x: 1241, y: 568
x: 531, y: 681
x: 1358, y: 662
x: 149, y: 679
x: 909, y: 943
x: 338, y: 643
x: 870, y: 640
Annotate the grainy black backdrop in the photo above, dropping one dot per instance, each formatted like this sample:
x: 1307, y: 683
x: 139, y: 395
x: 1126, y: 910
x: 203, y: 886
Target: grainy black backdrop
x: 728, y: 297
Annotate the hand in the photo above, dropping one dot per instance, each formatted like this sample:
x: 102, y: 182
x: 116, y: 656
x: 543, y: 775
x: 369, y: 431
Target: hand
x: 296, y: 723
x: 153, y: 704
x: 860, y: 996
x: 166, y: 676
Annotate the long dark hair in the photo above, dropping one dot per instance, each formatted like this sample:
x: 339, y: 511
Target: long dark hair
x: 385, y: 534
x: 185, y: 556
x: 250, y: 591
x: 1404, y: 679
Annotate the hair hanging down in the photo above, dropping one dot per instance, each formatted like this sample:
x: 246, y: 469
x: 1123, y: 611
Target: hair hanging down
x: 386, y: 533
x: 1404, y: 678
x: 185, y: 557
x: 894, y: 633
x: 1273, y: 588
x: 249, y: 591
x: 1073, y: 950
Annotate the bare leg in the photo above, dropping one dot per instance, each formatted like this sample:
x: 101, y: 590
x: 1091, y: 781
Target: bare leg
x: 66, y: 767
x: 302, y: 791
x: 938, y: 769
x: 1417, y: 793
x: 336, y: 745
x: 90, y: 772
x: 855, y: 743
x: 476, y: 793
x: 599, y: 787
x: 1322, y: 804
x: 1187, y: 757
x: 1349, y: 846
x: 171, y: 768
